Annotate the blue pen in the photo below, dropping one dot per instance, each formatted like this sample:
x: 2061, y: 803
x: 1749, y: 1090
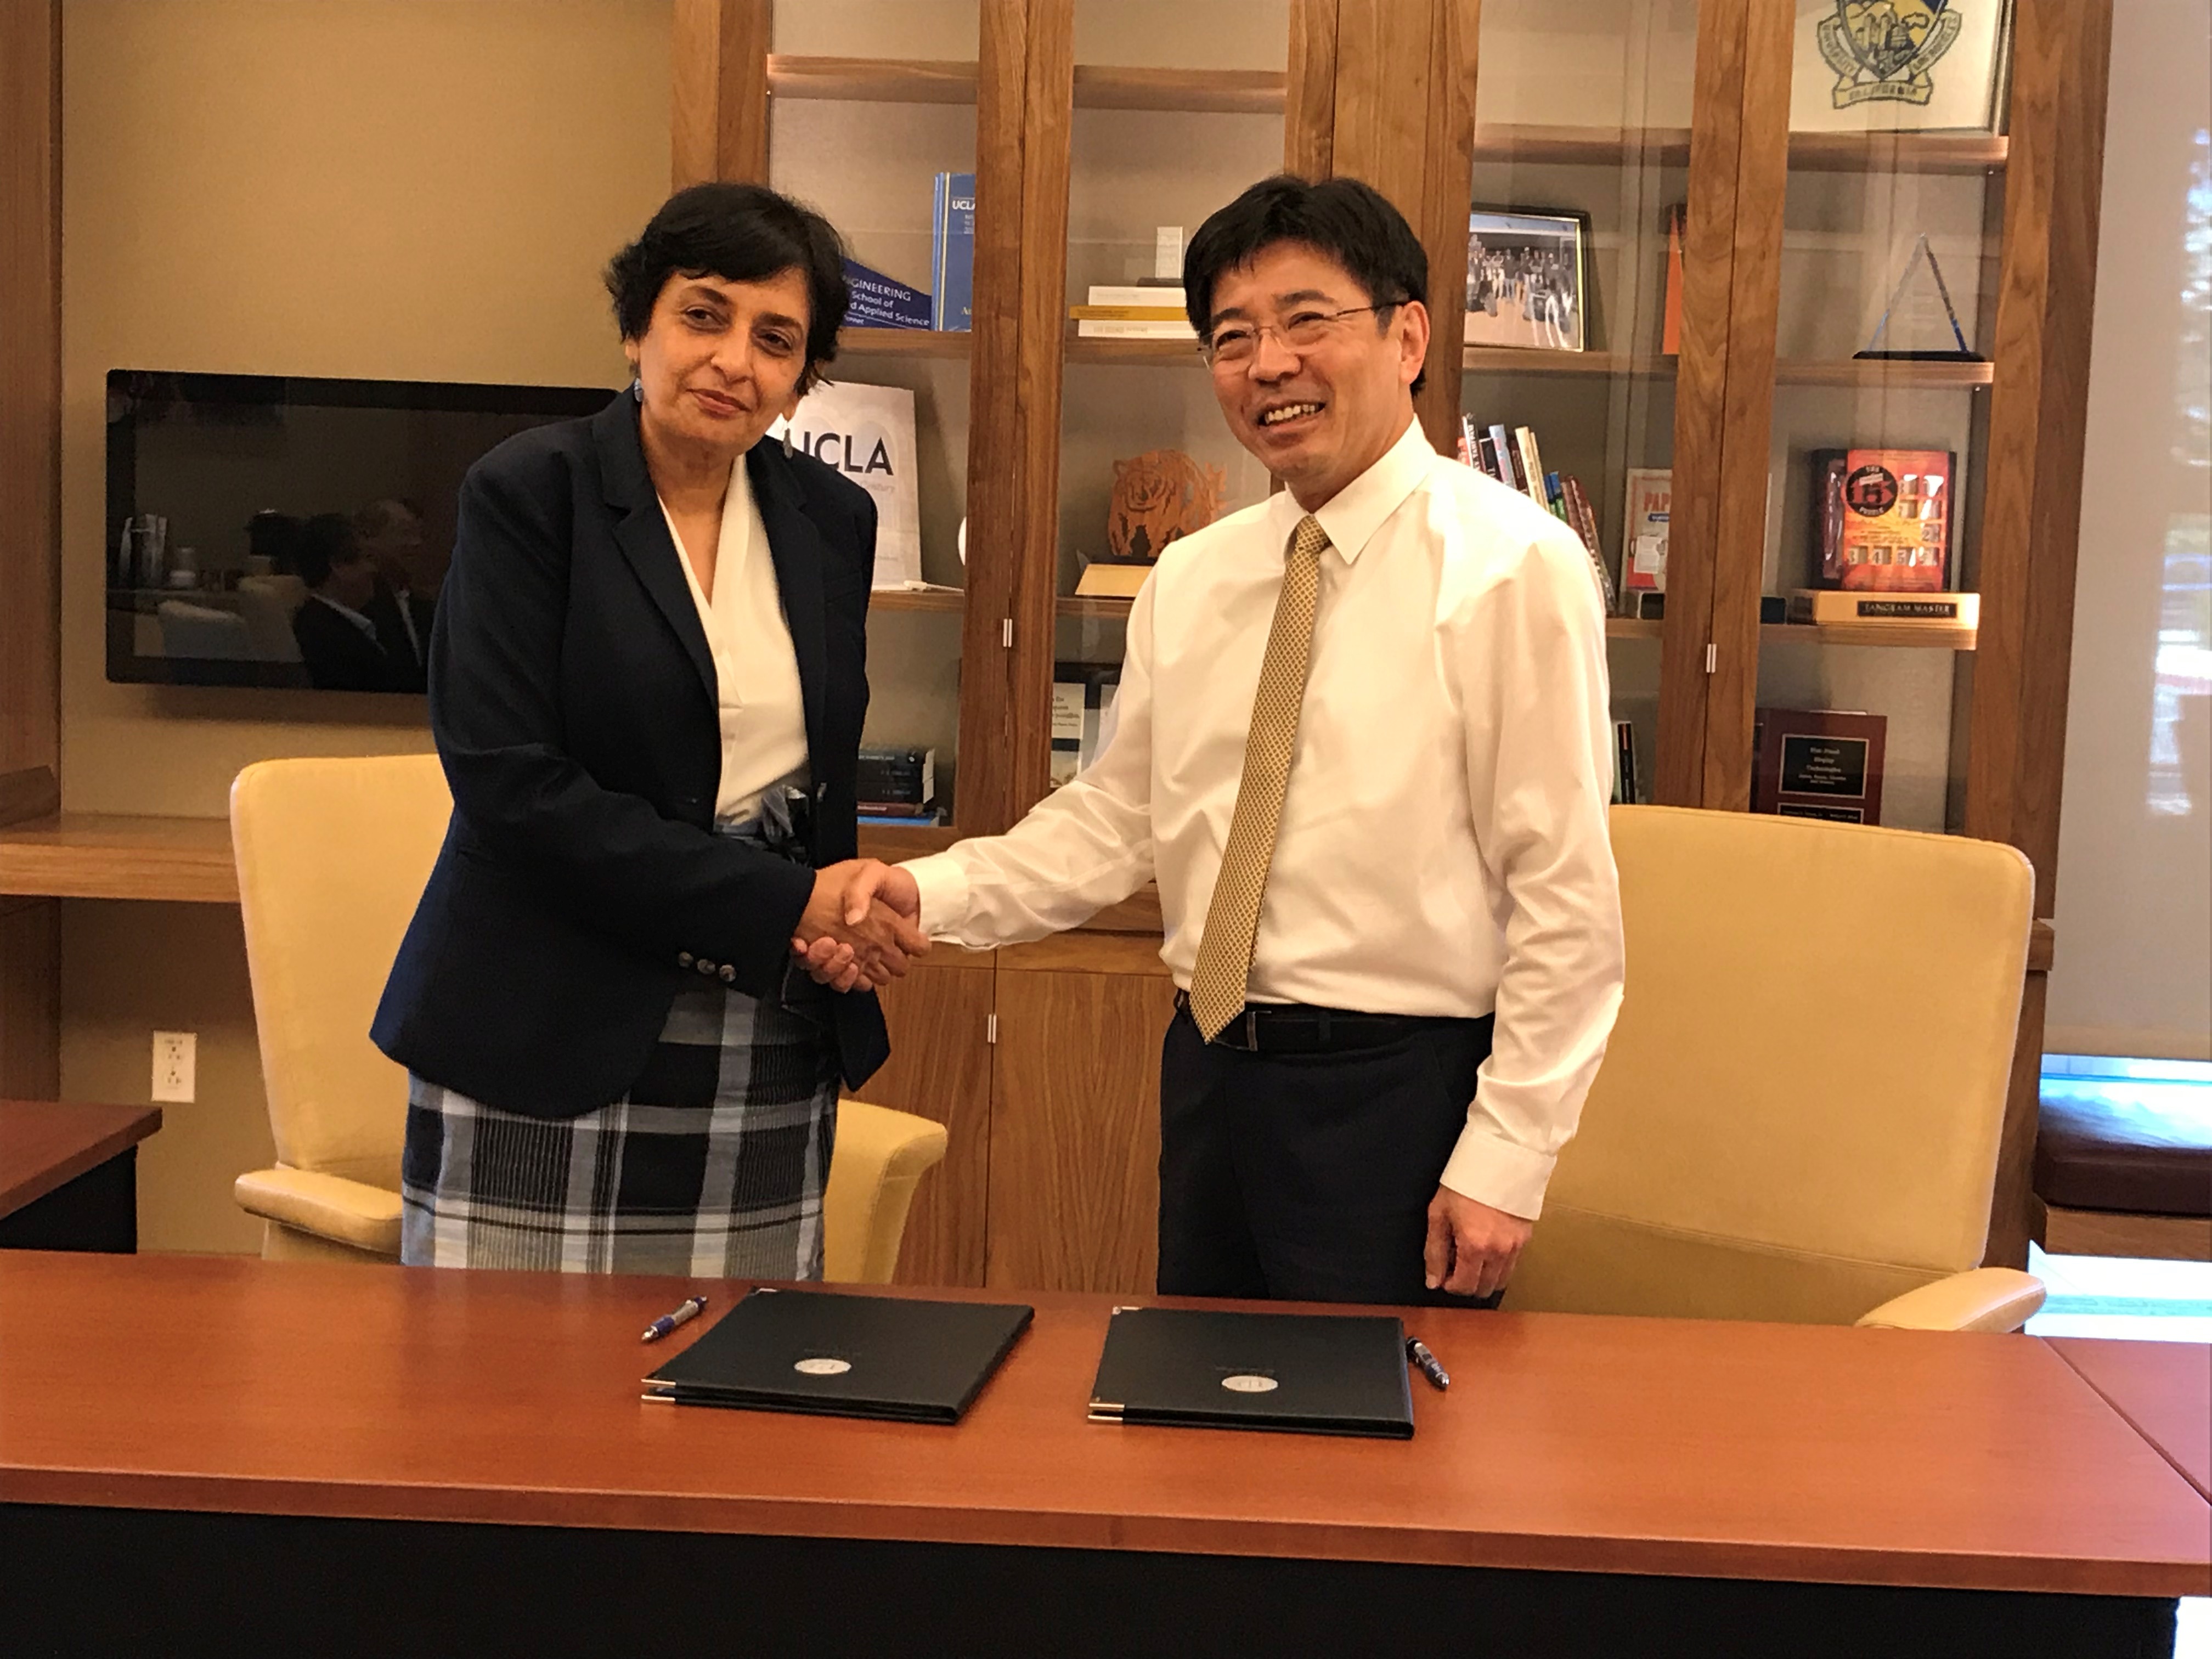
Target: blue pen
x: 669, y: 1322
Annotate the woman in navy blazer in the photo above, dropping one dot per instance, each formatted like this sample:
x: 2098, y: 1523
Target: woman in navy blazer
x: 650, y: 723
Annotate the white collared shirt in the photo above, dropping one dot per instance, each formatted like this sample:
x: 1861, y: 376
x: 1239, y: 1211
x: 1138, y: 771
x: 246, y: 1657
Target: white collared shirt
x: 1443, y: 847
x: 763, y: 716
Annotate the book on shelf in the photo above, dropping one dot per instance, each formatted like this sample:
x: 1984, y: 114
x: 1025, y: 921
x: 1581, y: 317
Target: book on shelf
x: 1083, y: 700
x: 867, y: 433
x: 1132, y: 311
x: 1515, y: 460
x: 1881, y: 518
x: 1817, y: 763
x: 1645, y: 513
x: 1831, y: 607
x: 881, y: 301
x: 1105, y: 579
x: 1626, y: 790
x: 953, y: 252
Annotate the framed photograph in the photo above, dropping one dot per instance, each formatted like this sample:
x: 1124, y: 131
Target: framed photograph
x: 1527, y: 278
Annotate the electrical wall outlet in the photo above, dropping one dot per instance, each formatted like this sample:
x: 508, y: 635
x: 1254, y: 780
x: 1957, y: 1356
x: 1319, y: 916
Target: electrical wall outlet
x: 176, y: 1057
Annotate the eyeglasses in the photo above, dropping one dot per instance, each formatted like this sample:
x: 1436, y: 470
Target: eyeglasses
x: 1234, y: 344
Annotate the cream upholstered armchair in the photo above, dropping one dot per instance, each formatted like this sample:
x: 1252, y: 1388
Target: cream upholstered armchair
x: 1797, y: 1118
x: 332, y: 855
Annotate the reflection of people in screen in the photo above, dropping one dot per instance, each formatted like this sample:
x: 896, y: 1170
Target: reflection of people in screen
x: 391, y: 533
x: 338, y: 641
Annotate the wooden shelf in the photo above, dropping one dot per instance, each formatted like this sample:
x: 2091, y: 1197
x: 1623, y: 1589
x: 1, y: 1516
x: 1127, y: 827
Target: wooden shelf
x: 871, y: 79
x: 1098, y: 86
x: 1916, y: 636
x: 1817, y: 152
x: 1216, y: 92
x: 1175, y: 354
x: 1092, y: 609
x: 1632, y: 628
x: 1529, y: 360
x: 112, y: 856
x: 900, y: 598
x: 901, y: 343
x: 1871, y: 373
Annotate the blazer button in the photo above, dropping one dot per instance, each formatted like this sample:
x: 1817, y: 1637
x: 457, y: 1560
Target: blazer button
x: 729, y: 974
x: 683, y: 958
x: 705, y: 967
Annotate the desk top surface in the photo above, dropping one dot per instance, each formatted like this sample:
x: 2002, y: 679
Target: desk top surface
x: 2164, y: 1388
x: 46, y: 1142
x: 1565, y: 1442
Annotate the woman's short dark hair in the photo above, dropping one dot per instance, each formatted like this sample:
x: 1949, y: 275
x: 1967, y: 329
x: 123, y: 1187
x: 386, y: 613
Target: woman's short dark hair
x: 1350, y: 223
x: 742, y: 233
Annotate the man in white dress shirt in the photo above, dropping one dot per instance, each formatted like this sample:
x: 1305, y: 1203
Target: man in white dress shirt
x: 1363, y: 747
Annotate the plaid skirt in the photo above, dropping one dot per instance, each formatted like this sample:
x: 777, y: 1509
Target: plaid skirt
x: 711, y: 1166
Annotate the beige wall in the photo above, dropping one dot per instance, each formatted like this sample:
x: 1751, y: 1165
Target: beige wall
x: 407, y: 189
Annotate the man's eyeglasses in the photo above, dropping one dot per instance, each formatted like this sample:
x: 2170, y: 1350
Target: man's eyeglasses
x: 1234, y: 344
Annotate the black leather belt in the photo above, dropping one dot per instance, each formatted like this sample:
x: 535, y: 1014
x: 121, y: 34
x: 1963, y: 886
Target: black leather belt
x: 1293, y: 1028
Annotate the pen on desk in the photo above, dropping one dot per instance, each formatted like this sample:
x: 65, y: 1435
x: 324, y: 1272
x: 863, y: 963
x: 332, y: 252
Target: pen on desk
x: 1417, y: 1352
x: 669, y: 1322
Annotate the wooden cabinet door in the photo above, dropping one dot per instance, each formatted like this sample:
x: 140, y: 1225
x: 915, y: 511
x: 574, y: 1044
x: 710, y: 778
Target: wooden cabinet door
x: 1075, y: 1120
x: 940, y: 1067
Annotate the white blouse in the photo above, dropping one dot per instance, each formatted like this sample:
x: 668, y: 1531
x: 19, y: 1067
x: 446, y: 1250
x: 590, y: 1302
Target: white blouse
x: 763, y: 718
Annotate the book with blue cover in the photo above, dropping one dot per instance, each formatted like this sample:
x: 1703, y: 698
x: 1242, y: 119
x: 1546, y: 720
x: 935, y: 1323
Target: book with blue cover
x: 881, y: 301
x: 952, y: 250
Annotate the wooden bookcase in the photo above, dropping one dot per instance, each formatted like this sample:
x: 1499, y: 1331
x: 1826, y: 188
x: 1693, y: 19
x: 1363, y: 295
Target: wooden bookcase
x: 1056, y: 105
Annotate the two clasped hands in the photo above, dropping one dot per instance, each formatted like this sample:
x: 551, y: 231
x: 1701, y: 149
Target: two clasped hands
x: 859, y: 927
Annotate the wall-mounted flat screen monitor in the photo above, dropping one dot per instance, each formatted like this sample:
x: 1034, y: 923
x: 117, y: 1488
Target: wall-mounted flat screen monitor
x: 284, y: 531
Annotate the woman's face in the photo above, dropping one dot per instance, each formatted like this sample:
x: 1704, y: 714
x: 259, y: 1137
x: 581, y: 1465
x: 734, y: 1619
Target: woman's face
x: 720, y: 361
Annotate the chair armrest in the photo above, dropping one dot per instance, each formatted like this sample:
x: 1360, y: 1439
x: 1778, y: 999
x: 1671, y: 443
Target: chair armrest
x: 880, y: 1156
x: 330, y: 1206
x: 1983, y: 1299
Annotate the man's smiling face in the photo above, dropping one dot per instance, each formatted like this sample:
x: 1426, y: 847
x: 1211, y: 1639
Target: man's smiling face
x: 1317, y: 414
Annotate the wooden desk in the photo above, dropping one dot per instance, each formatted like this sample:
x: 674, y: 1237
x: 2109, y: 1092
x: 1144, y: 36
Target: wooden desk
x: 2163, y: 1388
x: 316, y: 1447
x: 69, y: 1174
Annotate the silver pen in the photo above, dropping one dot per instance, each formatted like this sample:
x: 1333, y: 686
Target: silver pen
x: 1417, y: 1352
x: 669, y: 1322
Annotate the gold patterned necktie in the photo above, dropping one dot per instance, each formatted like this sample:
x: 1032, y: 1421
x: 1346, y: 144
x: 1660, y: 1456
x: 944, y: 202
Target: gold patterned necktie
x: 1224, y: 952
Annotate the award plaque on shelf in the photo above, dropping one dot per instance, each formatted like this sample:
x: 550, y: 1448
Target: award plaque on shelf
x: 1899, y: 65
x: 1920, y: 324
x: 1819, y: 763
x: 1158, y: 496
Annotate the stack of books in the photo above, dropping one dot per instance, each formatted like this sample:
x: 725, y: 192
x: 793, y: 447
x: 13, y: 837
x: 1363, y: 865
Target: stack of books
x: 897, y: 785
x: 1134, y: 311
x: 1513, y: 457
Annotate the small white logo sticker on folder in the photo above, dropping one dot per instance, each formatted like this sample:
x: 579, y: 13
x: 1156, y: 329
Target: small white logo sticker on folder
x: 824, y: 1367
x: 1246, y: 1383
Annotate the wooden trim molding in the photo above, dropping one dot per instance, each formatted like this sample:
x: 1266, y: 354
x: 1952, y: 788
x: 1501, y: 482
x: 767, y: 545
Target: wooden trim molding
x: 718, y: 103
x: 1310, y: 99
x: 2039, y: 411
x: 30, y: 407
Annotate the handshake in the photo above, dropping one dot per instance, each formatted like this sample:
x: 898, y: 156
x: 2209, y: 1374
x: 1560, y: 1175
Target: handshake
x: 859, y: 928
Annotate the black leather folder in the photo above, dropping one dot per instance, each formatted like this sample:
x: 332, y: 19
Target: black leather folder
x: 1303, y: 1373
x: 844, y: 1356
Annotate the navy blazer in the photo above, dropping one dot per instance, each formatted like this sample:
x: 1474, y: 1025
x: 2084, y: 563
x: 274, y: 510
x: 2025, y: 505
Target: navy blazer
x: 572, y: 698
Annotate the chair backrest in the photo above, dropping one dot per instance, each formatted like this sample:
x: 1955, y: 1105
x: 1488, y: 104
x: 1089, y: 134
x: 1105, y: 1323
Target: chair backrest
x: 199, y: 630
x: 268, y: 603
x: 1798, y: 1115
x: 332, y: 856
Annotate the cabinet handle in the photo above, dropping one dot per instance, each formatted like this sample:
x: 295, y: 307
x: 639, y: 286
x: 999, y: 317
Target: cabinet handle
x: 990, y: 1028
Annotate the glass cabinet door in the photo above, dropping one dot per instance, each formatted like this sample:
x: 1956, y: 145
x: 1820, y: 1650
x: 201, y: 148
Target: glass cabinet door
x: 1178, y: 108
x: 871, y: 120
x: 1571, y: 295
x: 1890, y: 253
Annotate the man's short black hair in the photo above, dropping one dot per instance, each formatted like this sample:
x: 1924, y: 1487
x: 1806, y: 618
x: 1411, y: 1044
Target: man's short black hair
x: 1350, y: 222
x: 326, y: 539
x: 742, y: 233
